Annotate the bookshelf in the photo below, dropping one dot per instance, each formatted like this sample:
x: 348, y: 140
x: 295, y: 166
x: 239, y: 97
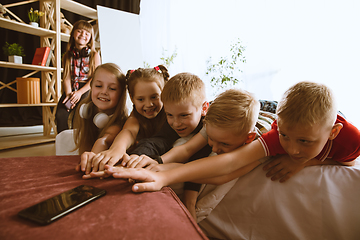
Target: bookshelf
x: 50, y: 36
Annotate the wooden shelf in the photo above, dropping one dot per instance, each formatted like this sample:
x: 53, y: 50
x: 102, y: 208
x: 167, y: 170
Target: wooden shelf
x: 26, y: 28
x: 14, y: 142
x: 27, y: 66
x: 50, y: 76
x: 65, y: 37
x: 78, y: 8
x: 6, y: 105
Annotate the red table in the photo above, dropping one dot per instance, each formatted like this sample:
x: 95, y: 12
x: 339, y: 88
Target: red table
x: 120, y: 214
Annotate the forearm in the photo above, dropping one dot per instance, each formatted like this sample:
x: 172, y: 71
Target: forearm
x: 228, y: 177
x: 123, y: 141
x: 190, y: 198
x: 314, y: 162
x: 216, y: 165
x: 100, y: 145
x: 85, y: 88
x: 351, y: 163
x: 104, y: 143
x: 192, y: 148
x: 67, y: 86
x: 176, y: 155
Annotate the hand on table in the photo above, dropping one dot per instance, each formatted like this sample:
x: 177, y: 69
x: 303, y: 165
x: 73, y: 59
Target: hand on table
x: 91, y: 162
x: 135, y: 161
x: 150, y: 181
x: 107, y: 157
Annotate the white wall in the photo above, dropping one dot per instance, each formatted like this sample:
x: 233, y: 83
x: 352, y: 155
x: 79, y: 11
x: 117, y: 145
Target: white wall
x: 286, y: 41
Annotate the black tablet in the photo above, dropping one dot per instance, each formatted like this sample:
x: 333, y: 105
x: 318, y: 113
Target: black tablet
x: 53, y: 208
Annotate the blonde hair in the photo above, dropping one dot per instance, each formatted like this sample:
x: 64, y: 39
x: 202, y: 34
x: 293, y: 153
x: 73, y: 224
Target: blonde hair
x: 85, y: 131
x: 307, y: 103
x: 161, y: 76
x: 184, y: 86
x: 234, y: 108
x: 81, y: 24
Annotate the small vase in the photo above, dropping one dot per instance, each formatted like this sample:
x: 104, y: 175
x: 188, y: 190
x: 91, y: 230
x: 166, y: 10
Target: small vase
x: 15, y: 59
x: 34, y: 24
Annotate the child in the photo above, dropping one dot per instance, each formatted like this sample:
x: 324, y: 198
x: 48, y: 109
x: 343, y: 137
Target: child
x: 102, y: 113
x: 308, y: 130
x: 228, y: 124
x: 185, y: 105
x: 145, y: 87
x: 230, y: 120
x: 79, y: 61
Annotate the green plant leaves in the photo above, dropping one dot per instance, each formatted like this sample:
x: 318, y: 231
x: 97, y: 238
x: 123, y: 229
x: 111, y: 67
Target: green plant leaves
x: 13, y: 49
x: 224, y: 72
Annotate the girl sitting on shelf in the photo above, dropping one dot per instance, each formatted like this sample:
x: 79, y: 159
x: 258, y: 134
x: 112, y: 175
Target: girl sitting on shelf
x: 145, y: 86
x: 79, y: 62
x: 102, y: 113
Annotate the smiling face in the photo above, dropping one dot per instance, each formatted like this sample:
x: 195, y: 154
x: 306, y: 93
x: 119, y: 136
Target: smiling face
x: 303, y: 143
x: 183, y: 117
x: 146, y: 98
x: 224, y: 140
x: 81, y: 37
x: 105, y: 91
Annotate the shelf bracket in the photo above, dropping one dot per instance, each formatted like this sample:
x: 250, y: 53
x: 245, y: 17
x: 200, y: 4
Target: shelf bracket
x: 7, y: 85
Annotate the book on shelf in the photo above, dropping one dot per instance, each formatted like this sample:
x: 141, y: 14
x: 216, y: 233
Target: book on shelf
x: 41, y: 56
x: 48, y: 59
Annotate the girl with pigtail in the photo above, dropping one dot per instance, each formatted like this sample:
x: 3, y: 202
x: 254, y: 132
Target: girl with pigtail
x: 147, y: 117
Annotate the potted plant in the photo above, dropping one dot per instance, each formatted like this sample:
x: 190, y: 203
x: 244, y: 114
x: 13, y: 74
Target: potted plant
x: 34, y: 17
x: 225, y: 72
x: 14, y: 51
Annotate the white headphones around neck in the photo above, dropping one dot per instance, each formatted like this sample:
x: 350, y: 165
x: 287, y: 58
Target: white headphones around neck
x: 100, y: 119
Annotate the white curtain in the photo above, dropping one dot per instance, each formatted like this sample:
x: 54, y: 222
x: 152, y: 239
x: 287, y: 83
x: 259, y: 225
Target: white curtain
x: 286, y: 41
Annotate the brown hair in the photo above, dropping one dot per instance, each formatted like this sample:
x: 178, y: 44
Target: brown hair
x: 81, y: 24
x: 184, y: 86
x: 85, y: 131
x: 307, y: 103
x: 234, y: 108
x: 148, y: 126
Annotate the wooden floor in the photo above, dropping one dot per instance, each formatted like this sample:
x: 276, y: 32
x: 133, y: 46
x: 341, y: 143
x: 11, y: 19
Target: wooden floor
x: 24, y: 134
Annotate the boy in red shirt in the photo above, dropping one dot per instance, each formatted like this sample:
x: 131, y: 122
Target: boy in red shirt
x: 308, y: 132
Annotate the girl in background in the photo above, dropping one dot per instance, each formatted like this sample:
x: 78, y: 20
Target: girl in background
x: 102, y: 114
x: 79, y: 62
x: 148, y: 116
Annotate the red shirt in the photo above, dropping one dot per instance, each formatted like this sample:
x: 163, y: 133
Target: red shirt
x: 344, y: 148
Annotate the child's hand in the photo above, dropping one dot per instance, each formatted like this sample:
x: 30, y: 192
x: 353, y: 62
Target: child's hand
x: 71, y: 100
x: 282, y: 167
x: 98, y: 174
x: 68, y: 96
x: 151, y: 181
x: 85, y: 162
x: 75, y: 98
x: 136, y: 161
x: 107, y: 157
